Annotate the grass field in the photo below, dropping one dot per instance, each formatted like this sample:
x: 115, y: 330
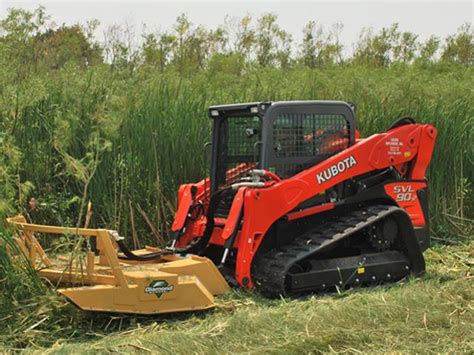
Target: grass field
x: 431, y: 314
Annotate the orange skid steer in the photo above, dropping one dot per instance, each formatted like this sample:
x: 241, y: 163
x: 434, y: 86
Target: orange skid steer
x: 296, y: 202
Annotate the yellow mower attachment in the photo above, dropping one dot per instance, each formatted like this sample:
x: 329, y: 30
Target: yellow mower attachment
x: 109, y: 282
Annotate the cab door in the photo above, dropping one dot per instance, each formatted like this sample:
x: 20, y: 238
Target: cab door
x: 297, y: 135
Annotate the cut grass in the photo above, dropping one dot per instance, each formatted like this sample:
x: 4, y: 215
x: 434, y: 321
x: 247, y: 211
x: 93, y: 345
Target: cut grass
x: 431, y: 314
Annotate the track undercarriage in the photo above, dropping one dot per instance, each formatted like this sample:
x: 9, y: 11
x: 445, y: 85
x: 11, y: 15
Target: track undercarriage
x: 340, y: 253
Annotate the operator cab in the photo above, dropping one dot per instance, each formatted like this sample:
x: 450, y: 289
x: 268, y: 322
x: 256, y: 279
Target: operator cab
x: 282, y: 137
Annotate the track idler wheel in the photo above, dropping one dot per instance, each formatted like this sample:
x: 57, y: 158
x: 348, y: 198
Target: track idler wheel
x: 383, y: 234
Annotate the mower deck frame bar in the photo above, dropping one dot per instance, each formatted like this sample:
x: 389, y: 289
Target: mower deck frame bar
x: 32, y: 248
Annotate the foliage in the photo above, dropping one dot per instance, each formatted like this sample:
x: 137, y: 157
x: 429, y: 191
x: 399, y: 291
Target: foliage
x: 459, y: 47
x: 320, y: 48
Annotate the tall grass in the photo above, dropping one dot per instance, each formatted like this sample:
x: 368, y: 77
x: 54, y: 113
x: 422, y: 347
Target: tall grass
x: 152, y: 127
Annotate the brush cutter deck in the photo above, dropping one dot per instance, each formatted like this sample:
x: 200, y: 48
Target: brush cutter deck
x: 109, y: 282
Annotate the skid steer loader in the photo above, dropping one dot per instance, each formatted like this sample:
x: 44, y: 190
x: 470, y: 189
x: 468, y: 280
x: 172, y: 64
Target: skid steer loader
x: 296, y: 202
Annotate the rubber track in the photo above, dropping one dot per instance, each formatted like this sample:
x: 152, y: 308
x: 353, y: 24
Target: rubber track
x: 271, y: 268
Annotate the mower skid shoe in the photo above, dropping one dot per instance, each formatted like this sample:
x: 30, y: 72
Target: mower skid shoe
x: 188, y: 284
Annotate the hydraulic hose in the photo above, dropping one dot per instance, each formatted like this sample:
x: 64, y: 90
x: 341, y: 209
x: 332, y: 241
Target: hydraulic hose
x: 129, y: 255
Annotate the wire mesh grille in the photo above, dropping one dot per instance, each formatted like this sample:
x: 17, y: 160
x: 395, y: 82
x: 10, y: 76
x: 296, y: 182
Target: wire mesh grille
x: 307, y: 136
x: 239, y: 150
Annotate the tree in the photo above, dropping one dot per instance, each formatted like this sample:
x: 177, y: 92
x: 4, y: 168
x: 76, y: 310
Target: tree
x: 17, y: 32
x: 405, y: 47
x: 272, y: 43
x: 182, y: 29
x: 56, y: 47
x: 120, y: 47
x: 283, y: 50
x: 194, y: 46
x: 31, y: 43
x: 320, y: 47
x: 308, y: 46
x: 157, y: 49
x: 459, y: 48
x: 386, y: 47
x: 245, y: 37
x: 428, y: 49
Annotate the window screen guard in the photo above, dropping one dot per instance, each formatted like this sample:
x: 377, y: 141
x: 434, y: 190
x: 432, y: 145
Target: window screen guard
x: 239, y: 139
x: 299, y: 140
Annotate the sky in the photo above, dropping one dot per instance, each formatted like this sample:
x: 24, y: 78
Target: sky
x: 425, y: 18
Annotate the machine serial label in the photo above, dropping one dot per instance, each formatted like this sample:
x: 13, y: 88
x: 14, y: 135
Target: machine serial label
x: 159, y: 287
x: 394, y: 146
x: 336, y: 169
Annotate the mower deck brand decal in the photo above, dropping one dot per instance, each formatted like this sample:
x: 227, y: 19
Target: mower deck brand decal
x: 336, y: 169
x: 159, y: 287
